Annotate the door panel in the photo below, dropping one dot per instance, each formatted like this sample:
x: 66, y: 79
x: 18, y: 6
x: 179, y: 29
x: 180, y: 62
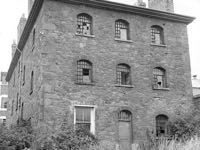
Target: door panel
x: 125, y: 135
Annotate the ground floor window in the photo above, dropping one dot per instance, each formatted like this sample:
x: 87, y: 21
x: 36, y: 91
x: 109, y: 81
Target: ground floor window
x: 161, y: 125
x: 85, y: 116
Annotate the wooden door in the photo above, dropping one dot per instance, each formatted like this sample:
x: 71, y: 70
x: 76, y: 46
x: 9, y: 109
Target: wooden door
x: 125, y: 132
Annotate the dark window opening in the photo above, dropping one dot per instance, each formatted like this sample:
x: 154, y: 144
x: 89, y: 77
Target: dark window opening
x: 84, y: 71
x: 123, y: 74
x: 159, y: 76
x: 161, y: 125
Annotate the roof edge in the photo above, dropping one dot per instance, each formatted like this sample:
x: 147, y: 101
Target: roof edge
x: 27, y: 29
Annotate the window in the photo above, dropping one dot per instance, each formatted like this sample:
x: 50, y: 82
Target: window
x: 123, y: 74
x: 33, y: 39
x: 5, y: 105
x: 24, y: 73
x: 159, y: 75
x: 161, y: 125
x: 31, y: 84
x: 85, y: 117
x: 122, y: 30
x: 17, y: 101
x: 157, y: 35
x: 4, y: 122
x: 84, y: 24
x: 84, y: 71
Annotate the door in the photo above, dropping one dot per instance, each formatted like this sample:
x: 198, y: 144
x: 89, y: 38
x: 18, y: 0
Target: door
x: 125, y: 132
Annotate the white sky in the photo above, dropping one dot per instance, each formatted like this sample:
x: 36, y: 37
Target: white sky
x: 12, y: 10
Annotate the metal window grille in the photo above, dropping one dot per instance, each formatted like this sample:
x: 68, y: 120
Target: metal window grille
x: 120, y: 24
x: 156, y: 35
x: 84, y: 71
x: 123, y: 75
x: 161, y: 125
x: 84, y: 24
x: 159, y: 78
x: 124, y: 116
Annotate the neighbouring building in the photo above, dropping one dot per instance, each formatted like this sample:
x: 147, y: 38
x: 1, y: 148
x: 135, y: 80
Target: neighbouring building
x: 117, y: 69
x: 3, y: 98
x: 196, y: 91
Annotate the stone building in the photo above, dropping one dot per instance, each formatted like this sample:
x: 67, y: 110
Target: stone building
x: 117, y: 69
x: 3, y: 98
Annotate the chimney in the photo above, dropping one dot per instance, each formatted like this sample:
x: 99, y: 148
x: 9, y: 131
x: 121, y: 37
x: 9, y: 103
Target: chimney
x: 140, y: 3
x: 21, y: 26
x: 14, y: 46
x: 30, y: 4
x: 162, y: 5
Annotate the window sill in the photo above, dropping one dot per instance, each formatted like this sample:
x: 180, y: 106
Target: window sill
x: 84, y: 35
x: 120, y: 40
x: 82, y: 83
x: 127, y: 86
x: 163, y: 89
x: 159, y: 45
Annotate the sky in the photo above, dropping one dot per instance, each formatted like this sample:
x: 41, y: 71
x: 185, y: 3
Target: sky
x: 12, y: 10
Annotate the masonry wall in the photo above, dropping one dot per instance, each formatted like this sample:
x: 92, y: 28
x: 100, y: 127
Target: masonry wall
x: 54, y: 63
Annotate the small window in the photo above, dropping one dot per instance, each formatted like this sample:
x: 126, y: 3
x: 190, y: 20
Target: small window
x: 161, y: 125
x: 24, y: 75
x: 33, y: 40
x: 159, y: 75
x: 84, y: 24
x: 123, y: 74
x: 4, y: 122
x: 157, y: 35
x: 84, y: 117
x: 5, y: 105
x: 84, y: 71
x: 17, y: 102
x: 31, y: 84
x: 122, y: 30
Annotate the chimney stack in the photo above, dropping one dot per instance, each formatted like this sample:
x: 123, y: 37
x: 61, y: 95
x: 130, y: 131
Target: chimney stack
x: 162, y: 5
x: 14, y: 46
x: 140, y: 3
x: 30, y: 4
x: 20, y: 28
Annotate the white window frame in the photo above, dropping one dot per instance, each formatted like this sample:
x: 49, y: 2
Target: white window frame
x: 92, y: 114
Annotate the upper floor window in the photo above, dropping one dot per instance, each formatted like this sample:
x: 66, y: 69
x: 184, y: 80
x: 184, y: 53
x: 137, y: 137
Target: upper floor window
x: 123, y: 74
x: 159, y: 75
x: 161, y: 125
x: 84, y: 24
x: 157, y: 35
x: 84, y: 71
x: 122, y: 30
x: 85, y: 117
x: 24, y: 73
x: 31, y: 82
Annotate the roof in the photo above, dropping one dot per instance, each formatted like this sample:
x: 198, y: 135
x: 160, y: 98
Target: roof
x: 102, y: 4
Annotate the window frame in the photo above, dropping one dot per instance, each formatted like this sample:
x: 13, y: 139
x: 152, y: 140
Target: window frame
x: 119, y: 75
x: 159, y: 123
x: 157, y: 30
x: 159, y: 72
x: 122, y: 24
x: 84, y: 18
x: 92, y: 116
x: 81, y: 65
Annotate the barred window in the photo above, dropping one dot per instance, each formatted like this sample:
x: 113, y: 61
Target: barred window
x: 162, y: 125
x: 123, y: 74
x: 84, y: 71
x: 124, y: 115
x: 157, y: 35
x: 84, y: 24
x: 122, y: 29
x: 159, y: 75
